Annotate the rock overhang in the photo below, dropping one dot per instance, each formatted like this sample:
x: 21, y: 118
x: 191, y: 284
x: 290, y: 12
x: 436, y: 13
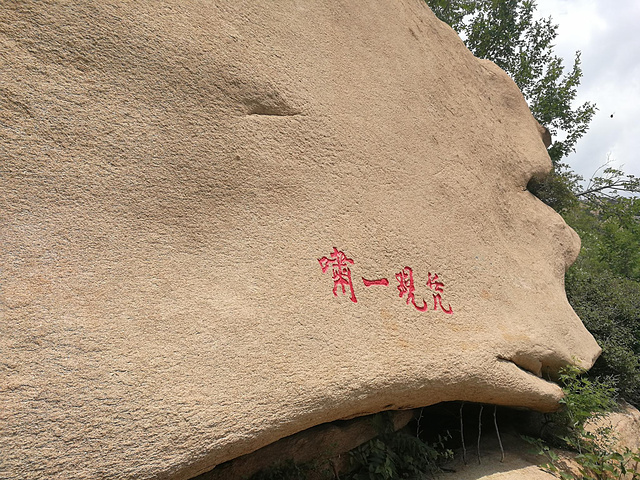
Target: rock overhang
x: 175, y: 177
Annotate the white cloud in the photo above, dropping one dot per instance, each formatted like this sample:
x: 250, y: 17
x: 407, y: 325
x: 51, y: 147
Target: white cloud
x: 607, y: 36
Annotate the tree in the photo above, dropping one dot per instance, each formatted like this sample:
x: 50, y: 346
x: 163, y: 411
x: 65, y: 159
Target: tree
x: 606, y: 186
x: 452, y: 12
x: 505, y: 32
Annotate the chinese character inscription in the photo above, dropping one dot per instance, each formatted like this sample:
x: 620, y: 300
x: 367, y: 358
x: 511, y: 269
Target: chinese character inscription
x: 340, y: 266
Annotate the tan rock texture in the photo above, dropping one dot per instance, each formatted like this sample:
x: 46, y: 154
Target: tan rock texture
x: 174, y: 179
x: 624, y: 425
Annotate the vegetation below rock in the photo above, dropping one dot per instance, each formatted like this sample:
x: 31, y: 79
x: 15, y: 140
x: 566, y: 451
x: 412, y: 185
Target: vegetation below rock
x: 598, y: 455
x: 395, y: 455
x: 426, y: 446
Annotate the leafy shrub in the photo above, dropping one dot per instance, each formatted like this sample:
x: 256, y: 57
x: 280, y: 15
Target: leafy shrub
x: 288, y: 470
x: 609, y: 306
x: 585, y: 401
x: 396, y: 455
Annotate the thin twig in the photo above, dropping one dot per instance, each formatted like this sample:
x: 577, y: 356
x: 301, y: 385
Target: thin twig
x: 620, y: 186
x: 336, y: 476
x: 464, y: 449
x: 606, y: 164
x: 495, y: 422
x: 479, y: 432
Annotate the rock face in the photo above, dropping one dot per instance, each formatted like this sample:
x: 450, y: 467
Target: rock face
x: 226, y: 222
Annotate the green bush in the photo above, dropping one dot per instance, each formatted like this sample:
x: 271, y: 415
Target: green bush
x: 288, y: 470
x: 587, y: 400
x: 396, y: 455
x: 609, y: 306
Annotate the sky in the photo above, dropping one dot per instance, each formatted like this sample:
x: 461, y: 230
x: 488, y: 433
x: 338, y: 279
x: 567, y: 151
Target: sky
x: 608, y: 35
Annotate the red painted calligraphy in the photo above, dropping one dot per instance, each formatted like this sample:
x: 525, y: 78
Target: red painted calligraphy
x: 340, y: 264
x: 341, y: 273
x: 406, y: 286
x: 434, y: 283
x: 381, y: 281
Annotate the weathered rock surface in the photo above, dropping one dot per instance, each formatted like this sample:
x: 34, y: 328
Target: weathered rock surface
x: 624, y: 425
x: 175, y: 177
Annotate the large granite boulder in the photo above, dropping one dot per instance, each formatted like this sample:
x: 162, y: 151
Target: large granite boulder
x: 226, y: 222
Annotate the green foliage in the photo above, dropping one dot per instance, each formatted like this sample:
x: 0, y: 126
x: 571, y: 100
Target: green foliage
x: 610, y: 233
x: 288, y: 470
x: 396, y: 455
x: 584, y: 400
x: 587, y: 400
x: 603, y: 286
x: 390, y: 456
x: 505, y: 32
x: 596, y: 465
x: 452, y: 12
x: 609, y: 465
x: 557, y: 189
x: 606, y: 182
x: 609, y: 305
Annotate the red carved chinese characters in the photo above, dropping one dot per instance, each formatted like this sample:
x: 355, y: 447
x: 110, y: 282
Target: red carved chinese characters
x: 435, y: 284
x: 339, y: 264
x: 405, y: 280
x: 341, y: 273
x: 381, y: 281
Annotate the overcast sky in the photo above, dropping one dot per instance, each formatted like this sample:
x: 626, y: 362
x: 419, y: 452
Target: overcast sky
x: 608, y: 35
